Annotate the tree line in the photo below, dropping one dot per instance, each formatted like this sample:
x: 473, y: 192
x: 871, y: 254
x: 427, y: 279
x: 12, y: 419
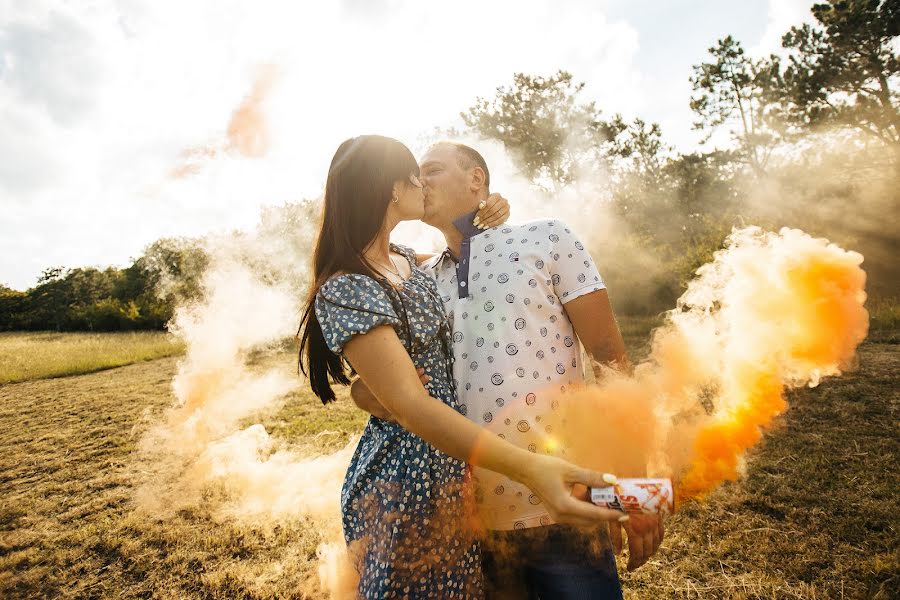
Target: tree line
x: 141, y: 296
x: 815, y: 143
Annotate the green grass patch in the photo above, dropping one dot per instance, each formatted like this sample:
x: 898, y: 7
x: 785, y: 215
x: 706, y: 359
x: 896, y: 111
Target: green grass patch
x: 40, y: 355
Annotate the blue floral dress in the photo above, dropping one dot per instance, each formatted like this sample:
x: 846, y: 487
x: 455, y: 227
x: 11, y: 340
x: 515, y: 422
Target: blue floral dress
x: 404, y: 503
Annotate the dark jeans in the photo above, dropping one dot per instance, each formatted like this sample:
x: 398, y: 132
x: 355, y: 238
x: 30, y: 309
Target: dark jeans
x: 553, y: 562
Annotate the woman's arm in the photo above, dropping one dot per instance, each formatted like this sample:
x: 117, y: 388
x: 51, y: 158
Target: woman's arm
x: 363, y: 398
x: 387, y: 370
x: 491, y: 212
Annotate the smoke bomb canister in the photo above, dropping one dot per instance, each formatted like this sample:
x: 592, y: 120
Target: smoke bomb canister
x: 652, y: 496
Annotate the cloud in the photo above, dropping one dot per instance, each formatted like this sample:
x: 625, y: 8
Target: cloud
x: 783, y: 14
x: 51, y: 64
x: 26, y: 147
x: 97, y: 101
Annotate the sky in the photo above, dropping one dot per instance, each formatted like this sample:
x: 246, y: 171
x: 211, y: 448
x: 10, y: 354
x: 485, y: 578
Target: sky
x: 118, y: 117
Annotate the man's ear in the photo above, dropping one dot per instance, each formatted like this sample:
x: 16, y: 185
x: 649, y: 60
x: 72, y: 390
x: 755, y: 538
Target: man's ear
x: 476, y: 179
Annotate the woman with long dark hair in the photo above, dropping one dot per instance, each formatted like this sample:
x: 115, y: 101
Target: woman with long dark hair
x: 404, y: 499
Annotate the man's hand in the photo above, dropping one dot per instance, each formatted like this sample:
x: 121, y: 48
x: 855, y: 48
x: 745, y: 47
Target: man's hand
x: 366, y: 400
x: 645, y: 533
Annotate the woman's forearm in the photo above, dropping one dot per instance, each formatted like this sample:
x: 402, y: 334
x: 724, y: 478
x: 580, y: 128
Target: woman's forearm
x: 454, y: 434
x: 388, y: 372
x: 386, y: 368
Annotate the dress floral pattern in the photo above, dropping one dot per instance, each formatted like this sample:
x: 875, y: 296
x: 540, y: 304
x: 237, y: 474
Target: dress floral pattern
x: 404, y: 503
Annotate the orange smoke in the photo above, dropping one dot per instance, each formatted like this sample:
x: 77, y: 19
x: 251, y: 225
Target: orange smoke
x: 247, y: 133
x: 771, y: 312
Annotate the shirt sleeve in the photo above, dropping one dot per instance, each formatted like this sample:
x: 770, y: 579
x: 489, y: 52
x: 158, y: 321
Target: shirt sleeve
x: 572, y: 269
x: 349, y: 305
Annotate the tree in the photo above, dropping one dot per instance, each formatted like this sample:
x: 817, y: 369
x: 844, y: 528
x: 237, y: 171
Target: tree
x: 841, y: 72
x: 703, y: 184
x: 742, y: 93
x: 12, y: 303
x: 173, y: 268
x: 48, y: 301
x: 541, y: 121
x: 641, y: 145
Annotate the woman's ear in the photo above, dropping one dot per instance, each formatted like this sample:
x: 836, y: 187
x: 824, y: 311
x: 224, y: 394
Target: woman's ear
x: 397, y: 192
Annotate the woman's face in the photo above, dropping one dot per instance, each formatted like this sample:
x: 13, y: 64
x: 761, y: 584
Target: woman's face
x: 410, y: 205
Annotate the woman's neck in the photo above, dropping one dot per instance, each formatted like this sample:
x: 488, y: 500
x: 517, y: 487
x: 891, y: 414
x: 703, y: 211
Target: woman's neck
x: 379, y: 251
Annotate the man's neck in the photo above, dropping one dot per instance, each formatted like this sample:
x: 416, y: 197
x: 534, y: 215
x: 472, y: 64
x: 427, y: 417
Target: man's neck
x: 454, y: 238
x: 460, y: 229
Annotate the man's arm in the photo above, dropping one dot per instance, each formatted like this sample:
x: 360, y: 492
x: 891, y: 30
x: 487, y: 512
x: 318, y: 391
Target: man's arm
x: 595, y: 325
x: 366, y: 400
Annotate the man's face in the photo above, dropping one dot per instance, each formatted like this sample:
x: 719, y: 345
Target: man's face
x: 446, y: 185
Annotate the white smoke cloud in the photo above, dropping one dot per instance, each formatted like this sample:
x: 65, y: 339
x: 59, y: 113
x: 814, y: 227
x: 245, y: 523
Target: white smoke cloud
x: 98, y: 100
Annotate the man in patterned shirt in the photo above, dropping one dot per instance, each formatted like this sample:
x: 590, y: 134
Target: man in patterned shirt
x: 522, y: 299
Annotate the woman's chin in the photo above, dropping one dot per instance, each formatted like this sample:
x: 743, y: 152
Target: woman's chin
x: 417, y: 216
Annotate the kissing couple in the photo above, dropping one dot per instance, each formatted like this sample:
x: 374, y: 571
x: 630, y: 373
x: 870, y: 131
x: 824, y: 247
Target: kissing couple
x: 457, y: 488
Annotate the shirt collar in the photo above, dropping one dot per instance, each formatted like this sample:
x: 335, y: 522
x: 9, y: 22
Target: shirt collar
x: 465, y: 226
x: 467, y: 229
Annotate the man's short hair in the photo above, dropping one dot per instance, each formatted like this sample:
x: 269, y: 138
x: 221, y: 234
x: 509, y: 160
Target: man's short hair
x: 468, y: 157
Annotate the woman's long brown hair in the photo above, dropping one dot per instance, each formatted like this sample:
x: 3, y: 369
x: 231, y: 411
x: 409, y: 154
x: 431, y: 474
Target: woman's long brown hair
x: 359, y: 187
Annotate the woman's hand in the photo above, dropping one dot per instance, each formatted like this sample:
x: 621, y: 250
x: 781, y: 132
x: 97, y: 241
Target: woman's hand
x: 552, y: 479
x: 492, y: 212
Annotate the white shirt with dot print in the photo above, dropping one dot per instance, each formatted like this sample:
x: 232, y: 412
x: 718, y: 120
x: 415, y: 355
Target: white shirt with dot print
x: 514, y: 347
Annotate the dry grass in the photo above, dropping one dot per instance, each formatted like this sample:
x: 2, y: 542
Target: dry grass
x: 27, y: 356
x: 67, y: 528
x: 884, y: 320
x: 815, y: 518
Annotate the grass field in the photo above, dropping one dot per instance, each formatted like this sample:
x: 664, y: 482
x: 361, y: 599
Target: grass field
x: 816, y: 516
x: 28, y: 356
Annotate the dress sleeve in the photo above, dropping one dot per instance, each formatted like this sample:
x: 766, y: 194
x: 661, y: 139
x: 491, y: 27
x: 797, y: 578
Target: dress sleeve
x: 407, y: 252
x: 352, y: 304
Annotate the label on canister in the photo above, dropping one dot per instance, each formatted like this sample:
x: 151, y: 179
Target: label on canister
x: 653, y: 496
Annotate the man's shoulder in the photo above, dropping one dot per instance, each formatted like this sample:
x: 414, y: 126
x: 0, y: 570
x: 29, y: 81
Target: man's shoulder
x: 544, y: 224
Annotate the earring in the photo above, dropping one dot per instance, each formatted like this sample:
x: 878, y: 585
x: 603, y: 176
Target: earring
x: 395, y: 199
